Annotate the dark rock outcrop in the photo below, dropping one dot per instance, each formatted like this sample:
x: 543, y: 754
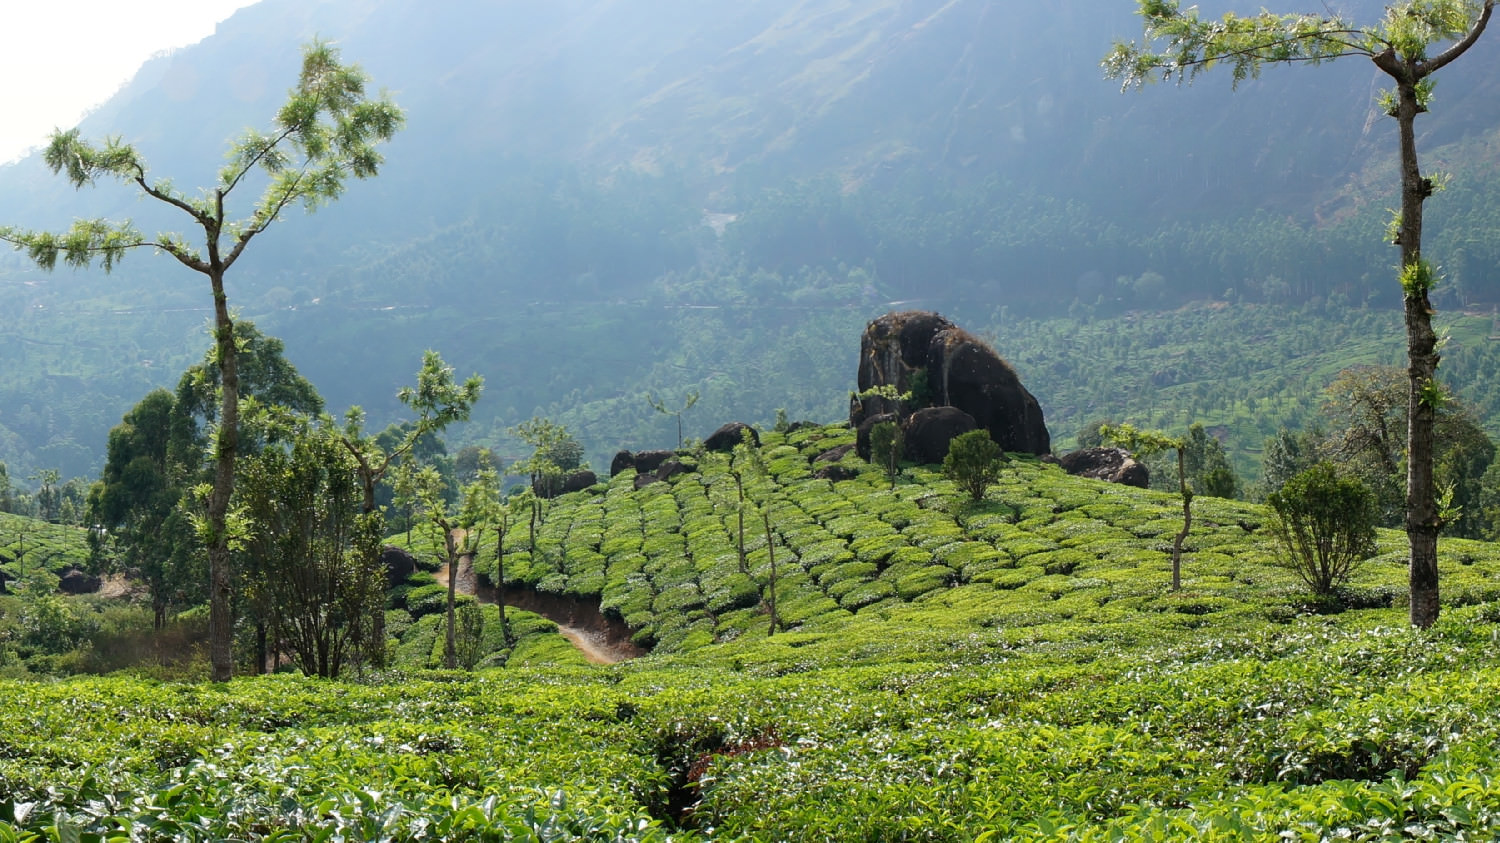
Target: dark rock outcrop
x: 862, y: 433
x: 943, y: 365
x: 622, y: 461
x: 670, y: 468
x: 75, y: 581
x: 579, y: 480
x: 834, y: 454
x: 1112, y: 464
x: 835, y: 473
x: 726, y: 437
x: 929, y: 431
x: 398, y: 564
x: 644, y: 462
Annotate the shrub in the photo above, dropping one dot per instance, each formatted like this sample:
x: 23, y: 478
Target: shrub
x: 886, y: 443
x: 973, y: 462
x: 1324, y: 526
x: 427, y: 600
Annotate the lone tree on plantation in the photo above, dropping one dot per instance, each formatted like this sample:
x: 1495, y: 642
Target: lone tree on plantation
x: 1400, y: 45
x: 886, y: 442
x: 973, y: 462
x: 1145, y: 443
x: 438, y: 400
x: 326, y: 132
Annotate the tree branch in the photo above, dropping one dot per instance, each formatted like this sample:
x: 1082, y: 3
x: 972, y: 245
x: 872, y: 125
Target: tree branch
x: 176, y: 202
x: 265, y: 217
x: 255, y: 159
x: 1462, y: 45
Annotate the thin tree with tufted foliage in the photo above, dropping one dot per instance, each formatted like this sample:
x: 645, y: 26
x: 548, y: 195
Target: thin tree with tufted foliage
x: 1405, y: 46
x: 1144, y: 443
x: 325, y: 133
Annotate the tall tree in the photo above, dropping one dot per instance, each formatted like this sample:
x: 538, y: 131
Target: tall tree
x: 47, y: 497
x: 1287, y: 454
x: 458, y: 534
x: 438, y: 400
x: 7, y: 503
x: 1208, y: 468
x: 1366, y: 410
x: 326, y: 132
x: 1179, y: 44
x: 660, y: 406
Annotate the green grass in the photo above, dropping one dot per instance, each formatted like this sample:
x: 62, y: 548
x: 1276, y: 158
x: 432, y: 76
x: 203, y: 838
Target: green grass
x: 1011, y: 670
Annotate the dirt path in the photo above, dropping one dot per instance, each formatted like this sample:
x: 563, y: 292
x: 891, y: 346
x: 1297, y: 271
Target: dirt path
x: 593, y: 649
x: 115, y: 587
x: 595, y: 645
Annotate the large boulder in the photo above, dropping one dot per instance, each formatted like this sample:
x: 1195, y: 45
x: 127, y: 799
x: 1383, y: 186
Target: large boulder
x: 833, y: 454
x: 862, y: 432
x: 724, y: 439
x: 1112, y: 464
x: 943, y: 365
x: 76, y: 581
x: 667, y: 470
x: 398, y: 564
x: 835, y: 472
x: 644, y: 462
x: 929, y: 431
x: 579, y: 480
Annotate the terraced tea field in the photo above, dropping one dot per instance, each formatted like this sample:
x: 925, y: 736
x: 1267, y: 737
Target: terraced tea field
x: 1011, y: 670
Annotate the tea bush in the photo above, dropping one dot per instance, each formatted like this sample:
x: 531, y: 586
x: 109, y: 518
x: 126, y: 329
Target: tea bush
x: 1011, y: 670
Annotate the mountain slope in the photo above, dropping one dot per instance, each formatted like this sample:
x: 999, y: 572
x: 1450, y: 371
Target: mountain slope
x: 548, y: 201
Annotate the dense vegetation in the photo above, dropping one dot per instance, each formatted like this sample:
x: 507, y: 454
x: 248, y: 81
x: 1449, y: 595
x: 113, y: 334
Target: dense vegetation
x: 1014, y: 668
x: 736, y: 257
x: 828, y: 649
x: 1245, y: 371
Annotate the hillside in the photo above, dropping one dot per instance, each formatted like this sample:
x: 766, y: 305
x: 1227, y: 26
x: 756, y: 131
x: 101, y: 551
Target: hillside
x: 544, y: 219
x: 1015, y: 669
x: 27, y: 544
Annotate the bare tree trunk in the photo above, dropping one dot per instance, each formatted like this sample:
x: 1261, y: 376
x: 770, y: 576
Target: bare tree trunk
x: 1423, y: 521
x: 1187, y: 521
x: 500, y: 583
x: 740, y: 484
x: 771, y: 551
x: 531, y: 544
x: 226, y: 448
x: 371, y: 571
x: 450, y: 644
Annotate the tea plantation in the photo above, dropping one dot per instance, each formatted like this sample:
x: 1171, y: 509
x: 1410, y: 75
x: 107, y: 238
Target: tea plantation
x: 1015, y: 669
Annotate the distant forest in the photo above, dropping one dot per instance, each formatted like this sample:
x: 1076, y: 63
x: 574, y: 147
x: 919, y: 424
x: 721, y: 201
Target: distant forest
x: 758, y: 304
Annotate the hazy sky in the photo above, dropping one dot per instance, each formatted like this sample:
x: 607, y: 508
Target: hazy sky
x: 61, y: 58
